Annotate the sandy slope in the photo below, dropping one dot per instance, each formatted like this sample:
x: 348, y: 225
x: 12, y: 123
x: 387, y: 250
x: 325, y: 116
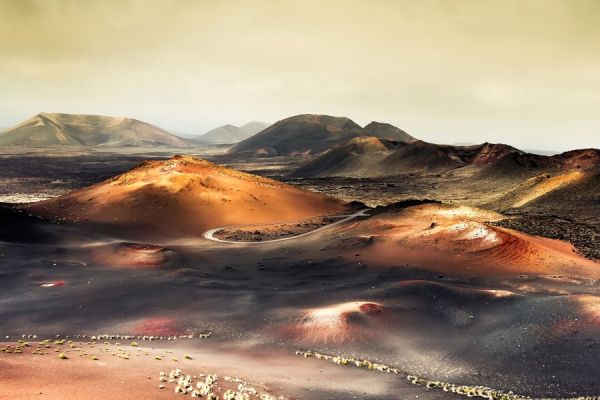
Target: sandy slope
x: 538, y: 186
x: 184, y: 196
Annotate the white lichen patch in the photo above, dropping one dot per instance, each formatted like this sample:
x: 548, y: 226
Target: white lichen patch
x: 207, y: 386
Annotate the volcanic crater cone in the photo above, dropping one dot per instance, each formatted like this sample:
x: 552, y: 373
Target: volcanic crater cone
x: 184, y: 196
x: 312, y: 134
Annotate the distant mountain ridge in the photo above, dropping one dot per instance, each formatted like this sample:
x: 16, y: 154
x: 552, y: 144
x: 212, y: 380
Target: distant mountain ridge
x: 230, y: 134
x: 387, y: 158
x: 312, y: 134
x: 55, y: 129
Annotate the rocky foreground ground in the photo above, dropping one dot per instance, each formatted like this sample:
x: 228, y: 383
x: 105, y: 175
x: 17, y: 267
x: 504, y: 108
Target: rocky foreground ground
x: 426, y: 301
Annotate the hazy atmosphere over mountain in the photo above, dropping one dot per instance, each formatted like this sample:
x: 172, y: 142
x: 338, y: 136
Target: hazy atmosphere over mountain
x: 300, y: 199
x: 461, y: 71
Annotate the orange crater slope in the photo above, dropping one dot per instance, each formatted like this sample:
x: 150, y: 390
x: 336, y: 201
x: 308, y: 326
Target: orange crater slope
x: 460, y: 240
x: 185, y: 196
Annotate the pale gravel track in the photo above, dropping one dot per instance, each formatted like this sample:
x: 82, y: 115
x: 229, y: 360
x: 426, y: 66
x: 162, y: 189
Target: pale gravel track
x: 210, y: 233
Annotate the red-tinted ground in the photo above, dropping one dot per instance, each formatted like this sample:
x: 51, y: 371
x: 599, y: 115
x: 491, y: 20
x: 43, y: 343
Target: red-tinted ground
x: 457, y: 240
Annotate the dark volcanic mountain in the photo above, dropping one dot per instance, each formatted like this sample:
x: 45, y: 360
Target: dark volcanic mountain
x: 365, y: 159
x: 229, y: 134
x: 421, y: 157
x: 359, y: 157
x: 312, y: 134
x: 392, y: 158
x: 51, y: 129
x: 518, y: 164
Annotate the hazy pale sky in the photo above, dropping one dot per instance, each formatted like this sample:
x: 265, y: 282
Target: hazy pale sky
x: 524, y: 72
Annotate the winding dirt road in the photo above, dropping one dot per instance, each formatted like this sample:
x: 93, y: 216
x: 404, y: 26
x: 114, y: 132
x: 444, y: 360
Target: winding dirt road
x: 210, y: 234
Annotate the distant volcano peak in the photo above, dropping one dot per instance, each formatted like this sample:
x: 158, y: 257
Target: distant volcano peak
x: 47, y: 129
